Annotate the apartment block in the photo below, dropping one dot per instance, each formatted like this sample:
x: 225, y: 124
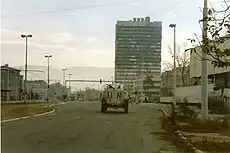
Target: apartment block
x: 138, y: 52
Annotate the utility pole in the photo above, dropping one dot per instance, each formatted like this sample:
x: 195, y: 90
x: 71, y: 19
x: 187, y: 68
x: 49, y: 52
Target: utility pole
x: 69, y: 91
x: 48, y: 79
x: 8, y: 83
x: 64, y: 85
x: 174, y: 64
x: 25, y: 81
x: 142, y: 80
x: 204, y: 92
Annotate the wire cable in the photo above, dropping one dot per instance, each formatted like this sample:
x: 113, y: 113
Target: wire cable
x: 69, y: 9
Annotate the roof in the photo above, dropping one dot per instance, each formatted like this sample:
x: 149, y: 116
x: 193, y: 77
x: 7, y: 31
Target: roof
x: 7, y: 67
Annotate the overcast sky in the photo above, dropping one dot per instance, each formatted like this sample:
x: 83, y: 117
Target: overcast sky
x: 84, y: 35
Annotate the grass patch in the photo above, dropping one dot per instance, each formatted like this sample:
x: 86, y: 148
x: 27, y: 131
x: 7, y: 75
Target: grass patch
x: 200, y: 127
x: 9, y: 111
x: 196, y: 125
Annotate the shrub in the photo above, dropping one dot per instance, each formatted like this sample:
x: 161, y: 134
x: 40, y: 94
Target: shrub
x: 217, y: 105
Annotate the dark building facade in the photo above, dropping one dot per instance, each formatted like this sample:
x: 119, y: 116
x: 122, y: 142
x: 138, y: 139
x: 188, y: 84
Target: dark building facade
x: 11, y: 83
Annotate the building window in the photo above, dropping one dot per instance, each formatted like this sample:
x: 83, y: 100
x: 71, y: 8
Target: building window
x: 158, y: 50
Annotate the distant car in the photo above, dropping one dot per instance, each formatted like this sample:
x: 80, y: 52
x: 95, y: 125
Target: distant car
x: 114, y: 98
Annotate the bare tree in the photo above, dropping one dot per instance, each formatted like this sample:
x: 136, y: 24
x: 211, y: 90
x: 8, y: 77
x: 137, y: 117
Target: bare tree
x: 182, y: 62
x: 219, y: 31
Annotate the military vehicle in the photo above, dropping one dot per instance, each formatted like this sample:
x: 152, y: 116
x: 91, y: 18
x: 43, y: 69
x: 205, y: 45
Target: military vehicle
x: 114, y: 97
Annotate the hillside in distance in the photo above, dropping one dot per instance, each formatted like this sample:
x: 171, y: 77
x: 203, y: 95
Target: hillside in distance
x: 56, y: 75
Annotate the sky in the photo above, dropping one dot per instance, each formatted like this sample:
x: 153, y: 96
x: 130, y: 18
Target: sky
x: 82, y: 32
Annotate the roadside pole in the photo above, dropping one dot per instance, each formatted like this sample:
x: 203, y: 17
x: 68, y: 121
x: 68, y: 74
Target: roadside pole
x: 204, y: 92
x: 142, y: 80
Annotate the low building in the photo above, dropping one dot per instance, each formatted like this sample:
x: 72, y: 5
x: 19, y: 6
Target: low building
x: 167, y: 80
x: 56, y: 91
x: 88, y: 94
x: 11, y: 83
x: 36, y: 89
x: 219, y: 76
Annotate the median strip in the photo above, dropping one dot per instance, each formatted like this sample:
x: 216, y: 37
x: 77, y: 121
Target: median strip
x: 13, y: 112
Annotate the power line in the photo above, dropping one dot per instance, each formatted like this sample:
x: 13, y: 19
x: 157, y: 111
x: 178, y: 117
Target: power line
x: 170, y: 6
x: 68, y: 9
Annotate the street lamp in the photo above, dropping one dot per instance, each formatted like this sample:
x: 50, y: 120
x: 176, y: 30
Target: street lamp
x: 192, y: 41
x: 48, y: 77
x: 174, y: 64
x: 25, y: 82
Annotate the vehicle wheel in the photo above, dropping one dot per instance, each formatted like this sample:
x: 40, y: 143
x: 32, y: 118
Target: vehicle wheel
x: 103, y: 108
x: 126, y: 107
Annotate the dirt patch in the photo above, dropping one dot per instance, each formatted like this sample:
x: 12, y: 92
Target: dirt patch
x: 187, y: 121
x: 199, y: 127
x: 210, y: 146
x: 9, y: 111
x: 170, y: 135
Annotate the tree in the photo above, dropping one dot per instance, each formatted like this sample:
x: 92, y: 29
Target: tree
x: 219, y: 31
x: 148, y: 83
x: 182, y: 62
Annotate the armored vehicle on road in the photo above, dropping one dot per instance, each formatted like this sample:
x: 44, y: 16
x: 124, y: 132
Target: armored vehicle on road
x: 114, y: 97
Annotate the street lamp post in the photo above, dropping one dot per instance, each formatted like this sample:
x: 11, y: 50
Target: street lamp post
x: 64, y: 77
x: 142, y: 78
x: 25, y: 82
x: 174, y: 63
x: 69, y: 84
x: 64, y: 84
x: 48, y: 76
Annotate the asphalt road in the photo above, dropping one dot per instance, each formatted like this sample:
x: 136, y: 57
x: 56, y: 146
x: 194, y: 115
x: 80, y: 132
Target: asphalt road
x: 81, y: 128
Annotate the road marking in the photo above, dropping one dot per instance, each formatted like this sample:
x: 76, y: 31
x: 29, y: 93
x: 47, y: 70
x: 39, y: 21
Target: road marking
x: 45, y: 113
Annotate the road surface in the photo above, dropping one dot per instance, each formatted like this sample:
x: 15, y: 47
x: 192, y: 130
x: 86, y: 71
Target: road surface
x: 81, y: 128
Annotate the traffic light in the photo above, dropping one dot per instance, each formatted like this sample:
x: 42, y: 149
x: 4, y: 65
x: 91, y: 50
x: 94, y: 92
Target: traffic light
x: 100, y: 81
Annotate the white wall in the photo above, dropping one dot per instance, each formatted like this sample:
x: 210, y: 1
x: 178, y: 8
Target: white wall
x: 193, y: 93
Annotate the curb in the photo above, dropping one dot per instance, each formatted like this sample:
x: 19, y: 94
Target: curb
x: 164, y: 112
x: 187, y: 141
x: 25, y: 117
x: 179, y: 133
